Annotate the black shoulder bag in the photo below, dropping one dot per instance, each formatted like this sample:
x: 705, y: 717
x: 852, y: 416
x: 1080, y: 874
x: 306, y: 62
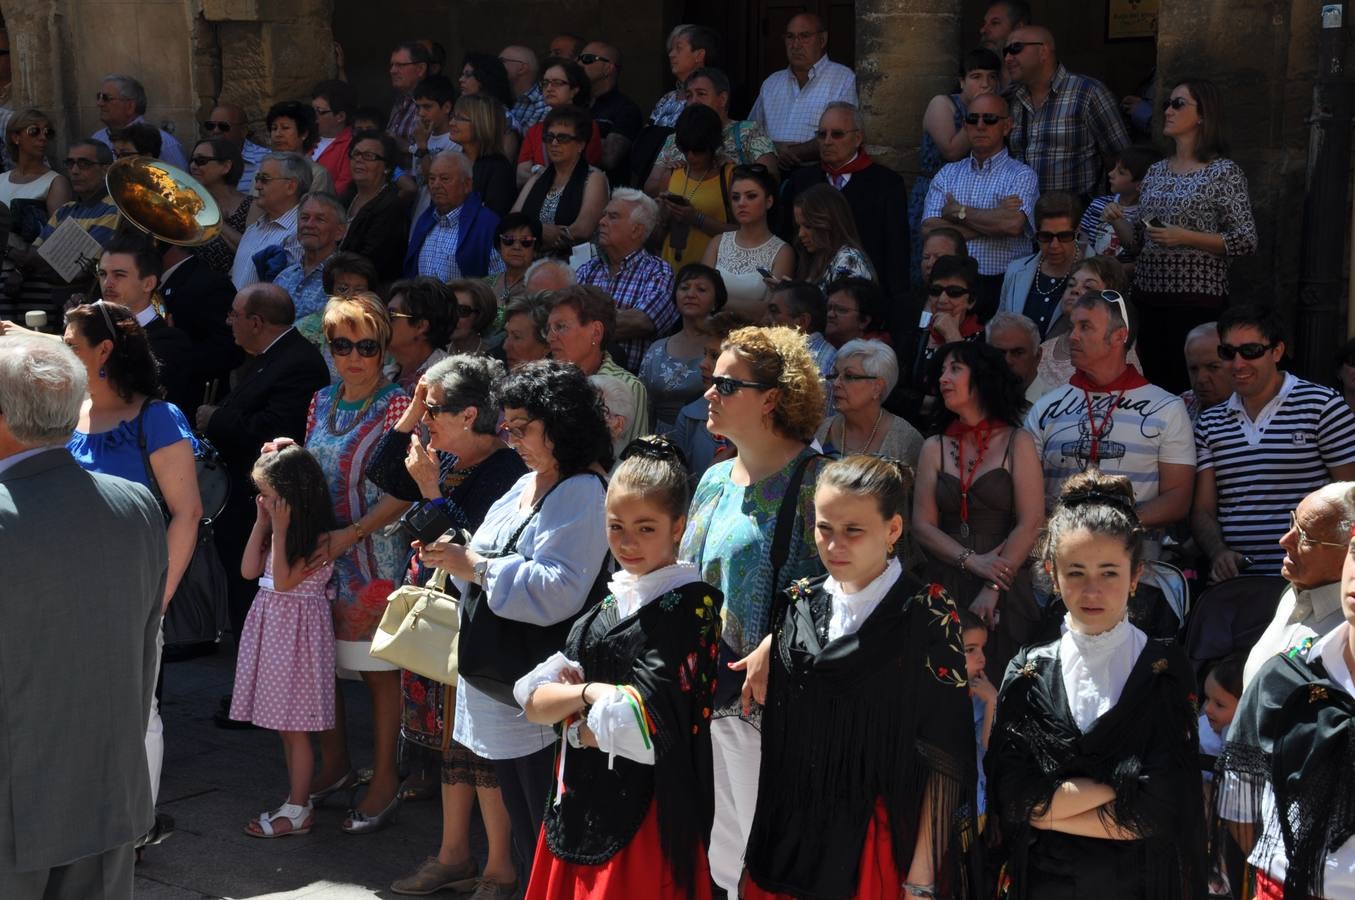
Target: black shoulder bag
x: 495, y: 652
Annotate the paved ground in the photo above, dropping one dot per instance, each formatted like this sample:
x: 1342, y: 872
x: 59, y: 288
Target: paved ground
x: 215, y: 781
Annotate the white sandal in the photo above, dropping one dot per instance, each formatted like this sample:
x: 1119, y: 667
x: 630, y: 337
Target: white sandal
x: 301, y: 818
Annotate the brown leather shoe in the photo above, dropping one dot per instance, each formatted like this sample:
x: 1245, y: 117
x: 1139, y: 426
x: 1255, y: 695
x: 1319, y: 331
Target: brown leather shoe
x: 492, y: 890
x: 432, y: 876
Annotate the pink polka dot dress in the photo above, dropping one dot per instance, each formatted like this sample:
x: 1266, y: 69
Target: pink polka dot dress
x: 284, y: 674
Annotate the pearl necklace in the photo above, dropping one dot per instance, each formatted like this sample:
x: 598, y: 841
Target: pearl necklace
x: 1059, y: 283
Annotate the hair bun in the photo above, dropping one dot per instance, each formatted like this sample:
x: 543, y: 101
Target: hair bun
x: 654, y: 446
x: 1096, y: 488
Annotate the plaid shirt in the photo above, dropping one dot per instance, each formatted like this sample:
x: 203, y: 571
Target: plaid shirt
x: 643, y: 282
x: 669, y: 107
x: 404, y: 115
x: 983, y: 185
x: 437, y: 256
x: 790, y: 113
x: 1067, y: 138
x: 529, y: 109
x: 307, y: 289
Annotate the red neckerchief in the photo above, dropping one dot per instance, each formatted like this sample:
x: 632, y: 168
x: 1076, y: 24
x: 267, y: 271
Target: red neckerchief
x: 969, y: 327
x: 858, y: 162
x: 1127, y: 380
x: 983, y: 433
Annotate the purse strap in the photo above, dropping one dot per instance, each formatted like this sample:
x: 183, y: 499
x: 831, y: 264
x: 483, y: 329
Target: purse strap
x: 785, y: 519
x: 152, y: 483
x: 438, y: 581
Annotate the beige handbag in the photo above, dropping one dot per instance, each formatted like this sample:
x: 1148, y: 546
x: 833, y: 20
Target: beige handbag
x: 419, y: 629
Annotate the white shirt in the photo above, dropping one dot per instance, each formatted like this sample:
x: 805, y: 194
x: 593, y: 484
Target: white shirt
x: 265, y: 232
x: 790, y: 113
x: 848, y: 611
x: 1095, y: 667
x: 170, y: 149
x: 321, y: 146
x: 1299, y: 615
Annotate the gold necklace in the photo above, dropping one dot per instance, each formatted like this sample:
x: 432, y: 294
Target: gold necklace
x: 870, y: 440
x: 357, y: 417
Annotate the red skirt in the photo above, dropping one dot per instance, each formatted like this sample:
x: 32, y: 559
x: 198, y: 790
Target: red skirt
x: 1268, y: 888
x: 639, y: 869
x: 877, y: 876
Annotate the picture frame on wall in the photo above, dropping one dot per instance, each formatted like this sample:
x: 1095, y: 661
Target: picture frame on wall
x: 1131, y: 20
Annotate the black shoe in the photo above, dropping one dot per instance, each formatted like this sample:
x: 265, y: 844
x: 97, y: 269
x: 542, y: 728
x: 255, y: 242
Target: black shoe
x: 163, y: 828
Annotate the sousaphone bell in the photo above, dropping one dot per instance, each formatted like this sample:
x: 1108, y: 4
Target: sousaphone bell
x: 163, y: 200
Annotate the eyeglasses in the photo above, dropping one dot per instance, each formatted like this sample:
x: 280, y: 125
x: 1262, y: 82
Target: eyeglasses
x: 835, y: 310
x: 1049, y: 237
x: 524, y: 242
x: 233, y: 314
x: 367, y: 347
x: 1249, y: 351
x: 366, y: 156
x: 518, y: 432
x: 547, y: 83
x: 728, y: 387
x: 1177, y: 103
x: 1116, y: 299
x: 434, y: 409
x: 800, y: 36
x: 836, y: 134
x: 321, y: 112
x: 210, y: 125
x: 1303, y: 535
x: 589, y: 58
x: 558, y: 137
x: 1016, y: 47
x: 401, y: 65
x: 464, y: 311
x: 954, y: 291
x: 81, y: 162
x: 848, y: 377
x: 985, y: 118
x: 264, y: 178
x: 123, y: 154
x: 101, y: 97
x: 35, y: 130
x: 461, y: 117
x: 203, y: 160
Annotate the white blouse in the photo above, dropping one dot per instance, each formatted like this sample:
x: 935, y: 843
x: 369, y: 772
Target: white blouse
x: 1095, y: 667
x: 850, y: 610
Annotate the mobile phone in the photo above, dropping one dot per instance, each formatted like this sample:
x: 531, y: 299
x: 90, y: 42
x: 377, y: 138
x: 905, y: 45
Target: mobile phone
x: 765, y: 273
x: 676, y: 199
x: 924, y: 319
x: 1155, y: 222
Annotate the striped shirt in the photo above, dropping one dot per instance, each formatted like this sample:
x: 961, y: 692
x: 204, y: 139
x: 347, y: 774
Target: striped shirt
x: 1065, y: 139
x: 984, y: 185
x: 1263, y: 468
x: 790, y: 113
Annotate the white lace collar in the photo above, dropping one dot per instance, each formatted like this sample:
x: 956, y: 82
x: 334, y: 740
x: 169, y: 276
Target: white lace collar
x: 633, y: 591
x: 850, y: 610
x: 1095, y: 667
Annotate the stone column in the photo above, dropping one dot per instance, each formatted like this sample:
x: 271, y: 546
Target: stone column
x: 36, y: 42
x: 907, y: 52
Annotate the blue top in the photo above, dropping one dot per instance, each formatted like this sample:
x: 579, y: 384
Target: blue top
x: 115, y: 452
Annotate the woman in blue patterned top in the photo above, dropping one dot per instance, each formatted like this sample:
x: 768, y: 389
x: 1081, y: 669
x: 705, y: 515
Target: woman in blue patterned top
x: 766, y: 398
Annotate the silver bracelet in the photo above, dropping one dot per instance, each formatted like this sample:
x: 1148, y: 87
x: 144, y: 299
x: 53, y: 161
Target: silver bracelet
x: 922, y: 890
x: 964, y: 556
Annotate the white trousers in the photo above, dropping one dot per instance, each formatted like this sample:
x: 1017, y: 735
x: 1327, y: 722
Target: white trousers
x: 737, y: 750
x: 155, y: 733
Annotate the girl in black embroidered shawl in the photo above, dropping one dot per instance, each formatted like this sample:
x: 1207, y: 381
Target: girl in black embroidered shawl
x: 633, y: 802
x: 868, y: 763
x: 1290, y: 757
x: 1093, y: 768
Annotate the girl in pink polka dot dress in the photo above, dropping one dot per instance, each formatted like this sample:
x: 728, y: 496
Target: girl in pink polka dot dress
x: 284, y: 675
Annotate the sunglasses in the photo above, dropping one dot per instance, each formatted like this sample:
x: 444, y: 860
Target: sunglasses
x: 1016, y: 47
x: 836, y: 134
x: 954, y: 291
x: 210, y: 125
x: 1177, y: 103
x: 728, y: 387
x: 750, y: 169
x: 322, y: 112
x: 986, y: 118
x: 1115, y: 299
x: 1249, y: 351
x: 434, y: 409
x: 107, y: 98
x: 203, y: 160
x: 464, y: 311
x: 264, y: 178
x: 367, y: 347
x: 73, y: 162
x: 589, y: 58
x: 367, y: 156
x: 35, y: 130
x: 524, y: 242
x: 558, y: 137
x: 1049, y: 237
x: 398, y: 315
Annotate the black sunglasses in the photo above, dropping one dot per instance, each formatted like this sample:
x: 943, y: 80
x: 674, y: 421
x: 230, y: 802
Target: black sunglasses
x: 1049, y: 237
x: 435, y: 410
x: 1250, y: 351
x: 837, y: 134
x: 524, y: 242
x: 367, y: 347
x: 589, y: 58
x: 1176, y: 103
x: 728, y: 387
x: 210, y: 125
x: 750, y: 169
x: 558, y: 137
x: 35, y: 130
x: 202, y: 160
x: 986, y: 118
x: 366, y: 156
x: 1016, y: 47
x: 954, y: 291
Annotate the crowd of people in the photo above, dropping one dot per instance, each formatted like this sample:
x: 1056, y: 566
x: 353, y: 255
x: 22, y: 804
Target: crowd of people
x: 716, y: 428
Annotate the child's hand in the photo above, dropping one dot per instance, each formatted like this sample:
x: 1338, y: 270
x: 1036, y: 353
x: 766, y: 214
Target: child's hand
x: 281, y: 512
x: 981, y: 687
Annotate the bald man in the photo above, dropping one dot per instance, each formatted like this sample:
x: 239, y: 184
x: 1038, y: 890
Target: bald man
x: 228, y: 120
x: 619, y: 119
x: 1211, y: 380
x: 1066, y: 127
x: 529, y: 107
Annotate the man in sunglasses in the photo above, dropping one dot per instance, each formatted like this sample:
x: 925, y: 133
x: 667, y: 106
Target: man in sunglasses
x: 618, y: 118
x: 227, y: 120
x: 1275, y: 440
x: 988, y: 197
x: 122, y: 101
x: 1066, y: 127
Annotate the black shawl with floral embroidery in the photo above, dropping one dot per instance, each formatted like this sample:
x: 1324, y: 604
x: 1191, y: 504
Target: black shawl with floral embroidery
x: 880, y: 715
x: 668, y: 651
x: 1145, y: 747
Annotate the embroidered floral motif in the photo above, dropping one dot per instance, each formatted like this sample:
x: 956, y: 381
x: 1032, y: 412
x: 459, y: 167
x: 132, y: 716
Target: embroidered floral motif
x: 669, y: 601
x: 1028, y: 670
x: 943, y: 615
x: 607, y: 602
x: 693, y: 677
x: 1316, y: 693
x: 799, y: 590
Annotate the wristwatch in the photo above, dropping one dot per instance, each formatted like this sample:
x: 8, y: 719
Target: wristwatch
x: 420, y: 154
x: 478, y: 572
x: 572, y: 734
x: 964, y: 211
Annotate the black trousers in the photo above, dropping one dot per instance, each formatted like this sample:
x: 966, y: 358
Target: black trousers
x: 525, y: 783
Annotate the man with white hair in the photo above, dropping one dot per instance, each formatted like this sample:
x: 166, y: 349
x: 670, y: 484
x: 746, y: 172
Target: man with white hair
x: 639, y: 282
x: 548, y: 275
x: 1019, y: 340
x: 282, y: 180
x: 122, y: 102
x: 95, y: 661
x: 454, y: 237
x: 321, y: 223
x: 619, y: 400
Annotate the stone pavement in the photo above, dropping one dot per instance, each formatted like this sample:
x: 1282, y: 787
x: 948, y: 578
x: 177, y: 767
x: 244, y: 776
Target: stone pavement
x: 216, y: 780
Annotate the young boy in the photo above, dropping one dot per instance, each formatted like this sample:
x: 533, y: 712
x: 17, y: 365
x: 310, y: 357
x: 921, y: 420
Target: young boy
x: 433, y: 98
x: 1109, y: 221
x: 982, y: 693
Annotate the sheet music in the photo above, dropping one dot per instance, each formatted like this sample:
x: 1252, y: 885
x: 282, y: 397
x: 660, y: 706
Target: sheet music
x: 69, y: 250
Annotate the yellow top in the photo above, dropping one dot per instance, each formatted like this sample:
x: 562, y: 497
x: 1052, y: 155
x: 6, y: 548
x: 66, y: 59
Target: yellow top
x: 707, y: 199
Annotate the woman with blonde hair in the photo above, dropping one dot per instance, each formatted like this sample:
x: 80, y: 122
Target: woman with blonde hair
x: 828, y: 245
x: 478, y: 124
x: 767, y: 399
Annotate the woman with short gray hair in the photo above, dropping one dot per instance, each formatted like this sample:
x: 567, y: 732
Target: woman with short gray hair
x: 463, y: 468
x: 864, y: 374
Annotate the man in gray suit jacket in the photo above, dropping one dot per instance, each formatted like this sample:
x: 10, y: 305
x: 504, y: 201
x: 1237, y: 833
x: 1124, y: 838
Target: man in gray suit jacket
x: 77, y: 654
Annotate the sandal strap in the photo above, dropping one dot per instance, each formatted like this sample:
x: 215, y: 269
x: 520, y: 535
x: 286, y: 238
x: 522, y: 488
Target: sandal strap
x: 294, y: 813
